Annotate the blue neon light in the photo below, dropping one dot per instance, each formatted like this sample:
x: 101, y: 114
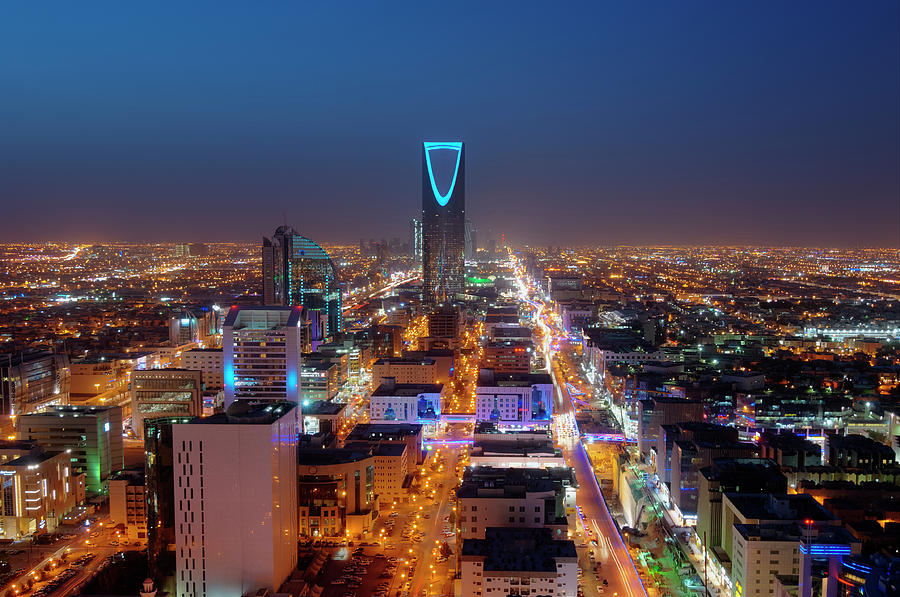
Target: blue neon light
x: 454, y: 145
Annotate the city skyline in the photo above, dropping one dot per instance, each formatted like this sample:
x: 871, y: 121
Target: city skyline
x: 598, y: 120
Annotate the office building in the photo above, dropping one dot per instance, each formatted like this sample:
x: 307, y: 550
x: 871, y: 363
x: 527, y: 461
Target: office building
x: 36, y: 490
x: 336, y: 495
x: 33, y: 380
x: 127, y: 503
x: 443, y: 220
x: 518, y: 399
x: 297, y: 271
x: 262, y: 349
x: 236, y: 499
x: 405, y: 403
x: 514, y: 498
x: 165, y: 393
x: 92, y: 436
x: 159, y: 492
x: 211, y: 365
x: 511, y: 561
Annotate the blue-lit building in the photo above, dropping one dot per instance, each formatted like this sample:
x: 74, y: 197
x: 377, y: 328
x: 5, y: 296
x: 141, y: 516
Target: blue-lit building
x: 443, y: 220
x: 297, y: 271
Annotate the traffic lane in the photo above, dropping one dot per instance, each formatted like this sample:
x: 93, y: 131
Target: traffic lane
x: 623, y: 578
x: 617, y: 566
x: 422, y: 577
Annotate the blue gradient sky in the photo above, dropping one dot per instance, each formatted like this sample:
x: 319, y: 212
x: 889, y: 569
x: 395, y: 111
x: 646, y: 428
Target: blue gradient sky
x: 638, y: 123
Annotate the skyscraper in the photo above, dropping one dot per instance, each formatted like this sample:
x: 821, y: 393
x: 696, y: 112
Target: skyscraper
x: 236, y: 499
x: 471, y: 241
x: 297, y: 271
x: 415, y: 239
x: 262, y: 348
x: 443, y: 221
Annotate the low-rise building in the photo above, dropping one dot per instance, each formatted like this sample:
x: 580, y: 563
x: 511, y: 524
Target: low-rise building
x: 406, y: 370
x: 405, y: 402
x: 36, y: 490
x: 391, y: 466
x: 389, y: 433
x: 507, y: 497
x: 320, y: 416
x: 512, y: 561
x: 523, y: 448
x: 336, y: 492
x: 514, y: 399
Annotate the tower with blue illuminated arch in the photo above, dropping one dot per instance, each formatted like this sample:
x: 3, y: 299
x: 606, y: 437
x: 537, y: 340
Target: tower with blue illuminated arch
x: 443, y: 220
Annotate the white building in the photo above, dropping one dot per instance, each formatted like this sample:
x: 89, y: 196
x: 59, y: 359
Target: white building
x: 236, y: 499
x: 405, y: 403
x: 518, y: 562
x: 514, y: 498
x: 520, y: 399
x: 262, y: 349
x: 210, y: 362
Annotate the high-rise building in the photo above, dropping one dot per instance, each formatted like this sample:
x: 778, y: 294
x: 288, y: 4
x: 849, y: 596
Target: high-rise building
x: 297, y: 271
x: 236, y: 499
x: 91, y: 434
x: 165, y: 393
x: 415, y: 239
x: 159, y: 467
x: 262, y: 353
x: 32, y: 380
x: 471, y: 241
x: 443, y: 221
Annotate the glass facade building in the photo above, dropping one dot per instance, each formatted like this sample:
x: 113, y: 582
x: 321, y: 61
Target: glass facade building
x: 297, y: 271
x: 443, y: 221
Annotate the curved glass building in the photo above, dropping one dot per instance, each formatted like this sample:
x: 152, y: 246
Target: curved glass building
x: 297, y: 271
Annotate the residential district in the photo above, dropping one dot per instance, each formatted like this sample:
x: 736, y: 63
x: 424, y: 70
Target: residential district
x: 436, y: 415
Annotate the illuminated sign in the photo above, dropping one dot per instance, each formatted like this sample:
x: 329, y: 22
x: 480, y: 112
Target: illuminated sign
x: 454, y: 146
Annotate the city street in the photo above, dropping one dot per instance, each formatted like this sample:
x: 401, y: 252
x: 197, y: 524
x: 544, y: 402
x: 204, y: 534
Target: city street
x: 595, y: 520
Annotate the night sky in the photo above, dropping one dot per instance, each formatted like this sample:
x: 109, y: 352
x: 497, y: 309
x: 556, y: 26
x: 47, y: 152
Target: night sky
x: 596, y: 123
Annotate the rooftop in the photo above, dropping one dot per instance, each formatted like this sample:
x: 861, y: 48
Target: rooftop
x: 519, y: 550
x: 407, y: 389
x: 36, y: 457
x: 319, y: 457
x: 787, y: 507
x: 248, y: 412
x: 510, y: 482
x: 488, y: 378
x: 322, y: 407
x: 382, y: 430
